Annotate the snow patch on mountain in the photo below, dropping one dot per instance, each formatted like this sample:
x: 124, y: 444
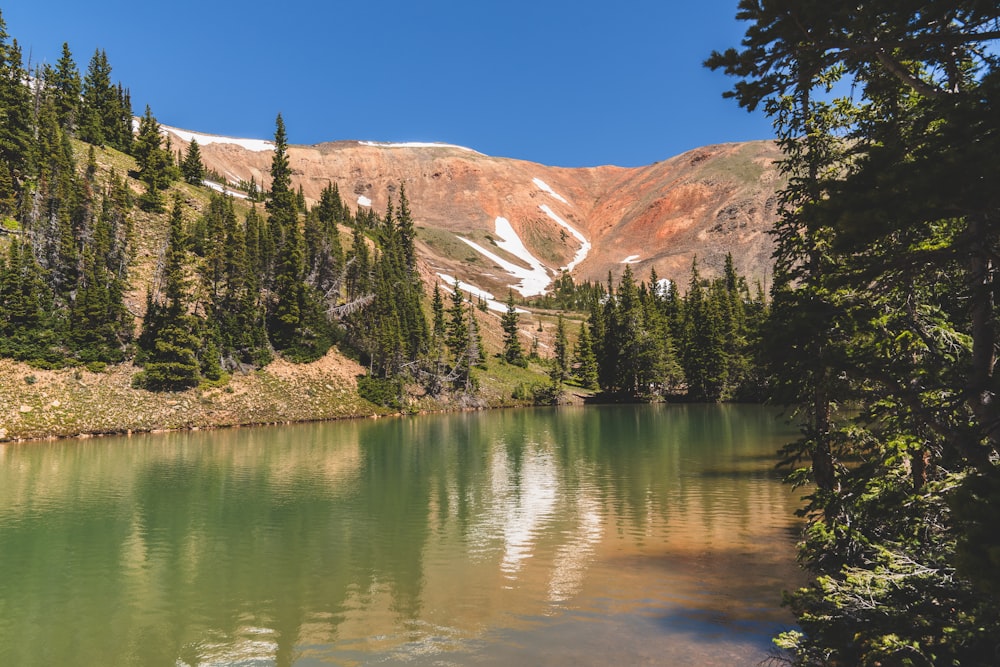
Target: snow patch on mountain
x: 256, y: 145
x: 415, y: 144
x: 631, y: 259
x: 224, y: 190
x: 533, y: 280
x: 585, y: 246
x: 544, y: 187
x: 477, y: 292
x: 364, y: 201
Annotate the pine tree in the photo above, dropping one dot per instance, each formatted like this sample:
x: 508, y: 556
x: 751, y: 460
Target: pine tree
x: 513, y: 353
x: 8, y: 195
x: 15, y: 105
x: 560, y: 361
x: 171, y: 361
x: 192, y: 167
x: 26, y: 332
x: 120, y: 122
x: 154, y: 162
x: 324, y: 250
x: 883, y: 230
x: 285, y: 317
x: 358, y: 279
x: 437, y: 314
x: 67, y: 87
x: 407, y: 231
x: 60, y: 212
x: 98, y: 100
x: 101, y: 327
x: 457, y: 338
x: 584, y: 360
x: 297, y: 324
x: 702, y: 353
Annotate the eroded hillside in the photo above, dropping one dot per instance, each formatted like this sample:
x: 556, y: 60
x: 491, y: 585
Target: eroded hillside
x: 495, y: 223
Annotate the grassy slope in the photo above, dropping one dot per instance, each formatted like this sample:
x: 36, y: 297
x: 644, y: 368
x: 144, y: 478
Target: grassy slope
x: 72, y: 401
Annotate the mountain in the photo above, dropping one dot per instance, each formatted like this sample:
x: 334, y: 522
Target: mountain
x: 495, y: 222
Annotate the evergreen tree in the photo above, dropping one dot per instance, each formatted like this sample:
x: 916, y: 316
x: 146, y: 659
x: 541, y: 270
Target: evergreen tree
x: 236, y: 308
x: 98, y: 100
x: 457, y: 338
x: 148, y: 141
x: 26, y: 332
x: 358, y: 278
x: 120, y: 122
x: 296, y: 323
x: 154, y: 162
x: 703, y: 355
x: 101, y: 327
x: 513, y: 353
x: 8, y: 195
x: 437, y: 314
x: 285, y: 317
x: 67, y: 87
x: 560, y: 362
x: 192, y: 168
x: 883, y: 231
x: 584, y: 360
x: 171, y: 360
x: 15, y: 105
x: 58, y: 219
x: 407, y: 231
x: 324, y: 250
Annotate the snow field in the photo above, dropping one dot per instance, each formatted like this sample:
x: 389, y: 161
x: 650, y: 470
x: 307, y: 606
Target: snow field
x: 491, y: 303
x: 415, y: 144
x: 585, y: 246
x: 256, y: 145
x: 533, y: 280
x: 544, y: 187
x: 224, y: 190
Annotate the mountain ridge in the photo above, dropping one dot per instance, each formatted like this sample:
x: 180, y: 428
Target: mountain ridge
x: 703, y: 203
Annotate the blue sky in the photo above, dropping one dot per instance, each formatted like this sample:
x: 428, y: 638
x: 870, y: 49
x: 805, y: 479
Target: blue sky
x: 562, y: 83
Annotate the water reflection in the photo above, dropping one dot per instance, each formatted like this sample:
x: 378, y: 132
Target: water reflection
x: 510, y: 535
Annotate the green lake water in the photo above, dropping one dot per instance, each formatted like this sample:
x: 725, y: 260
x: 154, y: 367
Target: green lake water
x: 573, y: 536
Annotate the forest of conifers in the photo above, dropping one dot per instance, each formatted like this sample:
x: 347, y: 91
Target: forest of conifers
x: 231, y: 291
x: 880, y: 329
x: 885, y: 302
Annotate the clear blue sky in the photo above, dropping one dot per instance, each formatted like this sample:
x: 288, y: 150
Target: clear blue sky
x: 562, y: 83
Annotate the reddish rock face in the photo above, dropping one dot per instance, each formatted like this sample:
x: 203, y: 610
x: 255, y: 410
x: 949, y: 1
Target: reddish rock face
x: 703, y: 203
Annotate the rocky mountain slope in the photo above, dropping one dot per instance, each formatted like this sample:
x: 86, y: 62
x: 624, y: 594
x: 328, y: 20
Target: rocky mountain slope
x: 496, y: 222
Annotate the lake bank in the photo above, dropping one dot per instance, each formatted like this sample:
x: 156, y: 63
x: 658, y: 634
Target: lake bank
x: 37, y: 404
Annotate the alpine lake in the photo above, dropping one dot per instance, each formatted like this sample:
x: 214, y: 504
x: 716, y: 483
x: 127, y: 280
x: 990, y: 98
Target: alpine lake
x: 596, y: 535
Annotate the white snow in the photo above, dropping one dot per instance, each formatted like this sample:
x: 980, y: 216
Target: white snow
x: 631, y: 259
x: 663, y: 286
x: 256, y: 145
x: 584, y: 250
x: 533, y: 280
x: 544, y: 187
x: 224, y: 190
x: 364, y: 201
x: 414, y: 144
x: 477, y: 292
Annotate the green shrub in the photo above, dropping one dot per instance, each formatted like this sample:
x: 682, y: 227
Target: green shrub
x: 381, y: 391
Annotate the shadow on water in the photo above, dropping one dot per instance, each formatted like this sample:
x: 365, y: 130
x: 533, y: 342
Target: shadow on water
x: 770, y: 474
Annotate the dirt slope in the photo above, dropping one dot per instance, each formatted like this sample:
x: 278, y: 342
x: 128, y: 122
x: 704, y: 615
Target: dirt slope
x: 706, y: 202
